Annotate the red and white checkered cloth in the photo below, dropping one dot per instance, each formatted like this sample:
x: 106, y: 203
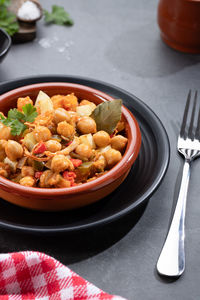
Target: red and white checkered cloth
x: 32, y: 275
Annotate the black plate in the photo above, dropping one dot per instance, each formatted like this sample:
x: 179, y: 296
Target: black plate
x: 144, y: 178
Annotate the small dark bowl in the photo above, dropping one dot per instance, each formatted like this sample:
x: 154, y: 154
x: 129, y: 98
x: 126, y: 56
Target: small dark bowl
x: 5, y: 43
x: 33, y: 20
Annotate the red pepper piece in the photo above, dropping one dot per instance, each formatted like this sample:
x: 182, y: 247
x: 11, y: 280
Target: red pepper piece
x: 68, y: 144
x: 67, y: 107
x: 72, y: 181
x: 69, y: 175
x: 72, y: 174
x: 76, y: 162
x: 38, y: 174
x: 40, y: 148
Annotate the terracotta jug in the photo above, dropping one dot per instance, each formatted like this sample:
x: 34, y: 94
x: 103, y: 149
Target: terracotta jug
x: 179, y: 22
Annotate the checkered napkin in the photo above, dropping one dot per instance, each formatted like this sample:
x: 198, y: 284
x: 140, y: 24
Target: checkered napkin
x: 36, y: 276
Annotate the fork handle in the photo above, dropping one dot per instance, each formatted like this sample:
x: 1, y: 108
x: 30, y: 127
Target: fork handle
x: 171, y: 261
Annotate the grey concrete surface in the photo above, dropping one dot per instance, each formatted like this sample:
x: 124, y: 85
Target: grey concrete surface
x: 118, y: 41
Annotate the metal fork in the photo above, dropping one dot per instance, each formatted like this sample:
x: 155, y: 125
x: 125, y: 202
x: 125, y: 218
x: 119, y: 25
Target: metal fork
x: 171, y: 261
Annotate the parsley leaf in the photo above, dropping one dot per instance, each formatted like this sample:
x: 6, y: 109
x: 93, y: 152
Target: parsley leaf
x: 4, y: 120
x: 7, y: 19
x: 58, y: 16
x: 17, y: 127
x: 30, y: 112
x: 15, y: 114
x: 16, y: 119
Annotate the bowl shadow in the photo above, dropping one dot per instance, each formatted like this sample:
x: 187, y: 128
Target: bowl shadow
x: 72, y: 247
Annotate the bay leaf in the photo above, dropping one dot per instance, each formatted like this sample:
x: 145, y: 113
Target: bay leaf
x: 107, y: 115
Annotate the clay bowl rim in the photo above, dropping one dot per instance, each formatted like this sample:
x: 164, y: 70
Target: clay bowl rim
x: 122, y: 167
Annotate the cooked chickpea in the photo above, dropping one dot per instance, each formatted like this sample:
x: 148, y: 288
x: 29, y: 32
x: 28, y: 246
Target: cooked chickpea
x: 23, y: 101
x: 86, y: 102
x: 65, y: 129
x: 57, y: 101
x: 86, y: 125
x: 27, y: 171
x: 60, y: 115
x: 44, y: 179
x: 63, y: 183
x: 119, y: 142
x: 42, y: 133
x: 2, y: 154
x: 27, y: 181
x: 3, y: 143
x: 45, y: 119
x: 4, y: 169
x: 5, y: 132
x: 101, y: 138
x: 112, y: 157
x: 53, y: 146
x: 13, y: 150
x: 70, y: 102
x: 3, y: 173
x: 60, y: 163
x: 73, y: 115
x: 100, y: 164
x: 84, y: 150
x: 48, y: 179
x: 54, y: 179
x: 2, y: 149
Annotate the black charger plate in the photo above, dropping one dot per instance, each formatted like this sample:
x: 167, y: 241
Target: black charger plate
x: 142, y: 181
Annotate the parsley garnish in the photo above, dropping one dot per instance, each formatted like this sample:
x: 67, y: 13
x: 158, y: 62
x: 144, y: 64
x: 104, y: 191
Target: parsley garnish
x: 7, y: 19
x: 30, y: 113
x: 16, y: 119
x: 58, y: 16
x: 15, y: 114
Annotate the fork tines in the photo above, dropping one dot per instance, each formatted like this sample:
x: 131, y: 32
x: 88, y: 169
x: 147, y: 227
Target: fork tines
x: 192, y: 132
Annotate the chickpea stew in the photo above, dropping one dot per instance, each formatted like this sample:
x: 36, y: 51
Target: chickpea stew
x: 60, y: 142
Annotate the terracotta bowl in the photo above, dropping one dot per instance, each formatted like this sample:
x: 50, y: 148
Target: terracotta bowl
x: 57, y: 199
x: 179, y: 22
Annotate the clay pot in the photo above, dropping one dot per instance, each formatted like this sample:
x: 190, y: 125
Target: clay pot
x: 179, y: 22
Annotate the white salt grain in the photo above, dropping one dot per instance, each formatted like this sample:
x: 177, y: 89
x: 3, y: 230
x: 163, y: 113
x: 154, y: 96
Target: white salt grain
x: 45, y: 43
x: 61, y: 49
x: 58, y: 45
x: 28, y: 11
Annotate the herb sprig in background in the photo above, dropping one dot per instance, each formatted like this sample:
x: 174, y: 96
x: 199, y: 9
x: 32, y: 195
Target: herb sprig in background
x: 7, y: 19
x: 58, y: 16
